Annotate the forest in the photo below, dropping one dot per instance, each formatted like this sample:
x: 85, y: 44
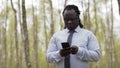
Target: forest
x: 26, y: 27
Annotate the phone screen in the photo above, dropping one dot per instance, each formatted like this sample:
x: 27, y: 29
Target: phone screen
x: 65, y: 44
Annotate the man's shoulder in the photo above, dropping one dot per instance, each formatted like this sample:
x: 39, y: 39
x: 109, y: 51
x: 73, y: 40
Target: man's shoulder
x: 59, y: 32
x: 86, y: 30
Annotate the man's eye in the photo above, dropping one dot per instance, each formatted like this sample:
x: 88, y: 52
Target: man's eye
x: 69, y: 19
x: 66, y: 19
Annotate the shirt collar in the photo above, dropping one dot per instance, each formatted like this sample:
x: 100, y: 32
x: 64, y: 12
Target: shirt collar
x: 76, y: 30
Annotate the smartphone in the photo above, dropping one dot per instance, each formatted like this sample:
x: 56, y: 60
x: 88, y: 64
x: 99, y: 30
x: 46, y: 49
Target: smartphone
x: 65, y: 44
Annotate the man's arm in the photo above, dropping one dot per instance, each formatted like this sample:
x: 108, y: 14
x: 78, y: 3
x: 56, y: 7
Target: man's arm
x: 53, y: 54
x: 92, y: 53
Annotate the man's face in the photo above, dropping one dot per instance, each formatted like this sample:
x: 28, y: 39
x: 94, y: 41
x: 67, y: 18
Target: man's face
x: 71, y: 19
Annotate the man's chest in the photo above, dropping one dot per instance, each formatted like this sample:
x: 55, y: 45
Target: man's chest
x: 79, y: 40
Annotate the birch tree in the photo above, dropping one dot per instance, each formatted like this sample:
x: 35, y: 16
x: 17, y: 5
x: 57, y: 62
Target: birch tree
x: 119, y: 6
x: 16, y: 35
x: 21, y: 34
x: 35, y: 37
x: 4, y: 36
x: 25, y: 34
x: 51, y: 18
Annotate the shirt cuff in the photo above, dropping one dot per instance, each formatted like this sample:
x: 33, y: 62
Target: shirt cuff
x: 58, y: 56
x: 80, y: 52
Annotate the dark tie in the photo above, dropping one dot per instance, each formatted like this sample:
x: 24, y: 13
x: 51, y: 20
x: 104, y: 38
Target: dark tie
x: 67, y: 58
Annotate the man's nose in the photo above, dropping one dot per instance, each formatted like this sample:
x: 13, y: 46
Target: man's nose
x: 69, y: 22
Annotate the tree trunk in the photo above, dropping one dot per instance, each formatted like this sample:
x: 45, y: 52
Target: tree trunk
x: 59, y: 12
x: 4, y: 36
x: 88, y: 14
x: 65, y: 3
x: 35, y: 44
x: 106, y: 37
x: 61, y: 23
x: 21, y: 36
x: 11, y: 52
x: 0, y: 44
x: 111, y: 38
x: 83, y: 21
x: 16, y: 37
x: 25, y: 34
x: 115, y: 54
x: 52, y: 22
x: 4, y: 54
x: 45, y: 29
x: 119, y: 6
x: 51, y: 15
x: 96, y: 23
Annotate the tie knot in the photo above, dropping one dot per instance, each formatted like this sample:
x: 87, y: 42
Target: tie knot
x: 71, y: 31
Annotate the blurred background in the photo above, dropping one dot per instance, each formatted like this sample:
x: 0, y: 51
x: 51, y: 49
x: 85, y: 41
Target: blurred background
x: 26, y: 27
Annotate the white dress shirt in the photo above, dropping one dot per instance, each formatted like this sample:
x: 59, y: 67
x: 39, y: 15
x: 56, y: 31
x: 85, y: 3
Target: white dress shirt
x: 88, y: 48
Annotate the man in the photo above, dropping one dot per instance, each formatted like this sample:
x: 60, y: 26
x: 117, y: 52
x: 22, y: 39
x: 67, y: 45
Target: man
x: 83, y: 48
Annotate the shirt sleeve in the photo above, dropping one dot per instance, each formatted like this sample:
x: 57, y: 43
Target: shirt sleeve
x: 53, y: 54
x: 92, y: 52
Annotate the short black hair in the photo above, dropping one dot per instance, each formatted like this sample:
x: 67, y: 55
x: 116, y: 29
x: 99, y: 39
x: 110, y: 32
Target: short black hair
x: 69, y: 7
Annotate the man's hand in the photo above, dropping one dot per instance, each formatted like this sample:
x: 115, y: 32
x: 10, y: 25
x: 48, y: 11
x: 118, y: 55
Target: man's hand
x: 68, y: 50
x: 65, y: 51
x: 74, y: 49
